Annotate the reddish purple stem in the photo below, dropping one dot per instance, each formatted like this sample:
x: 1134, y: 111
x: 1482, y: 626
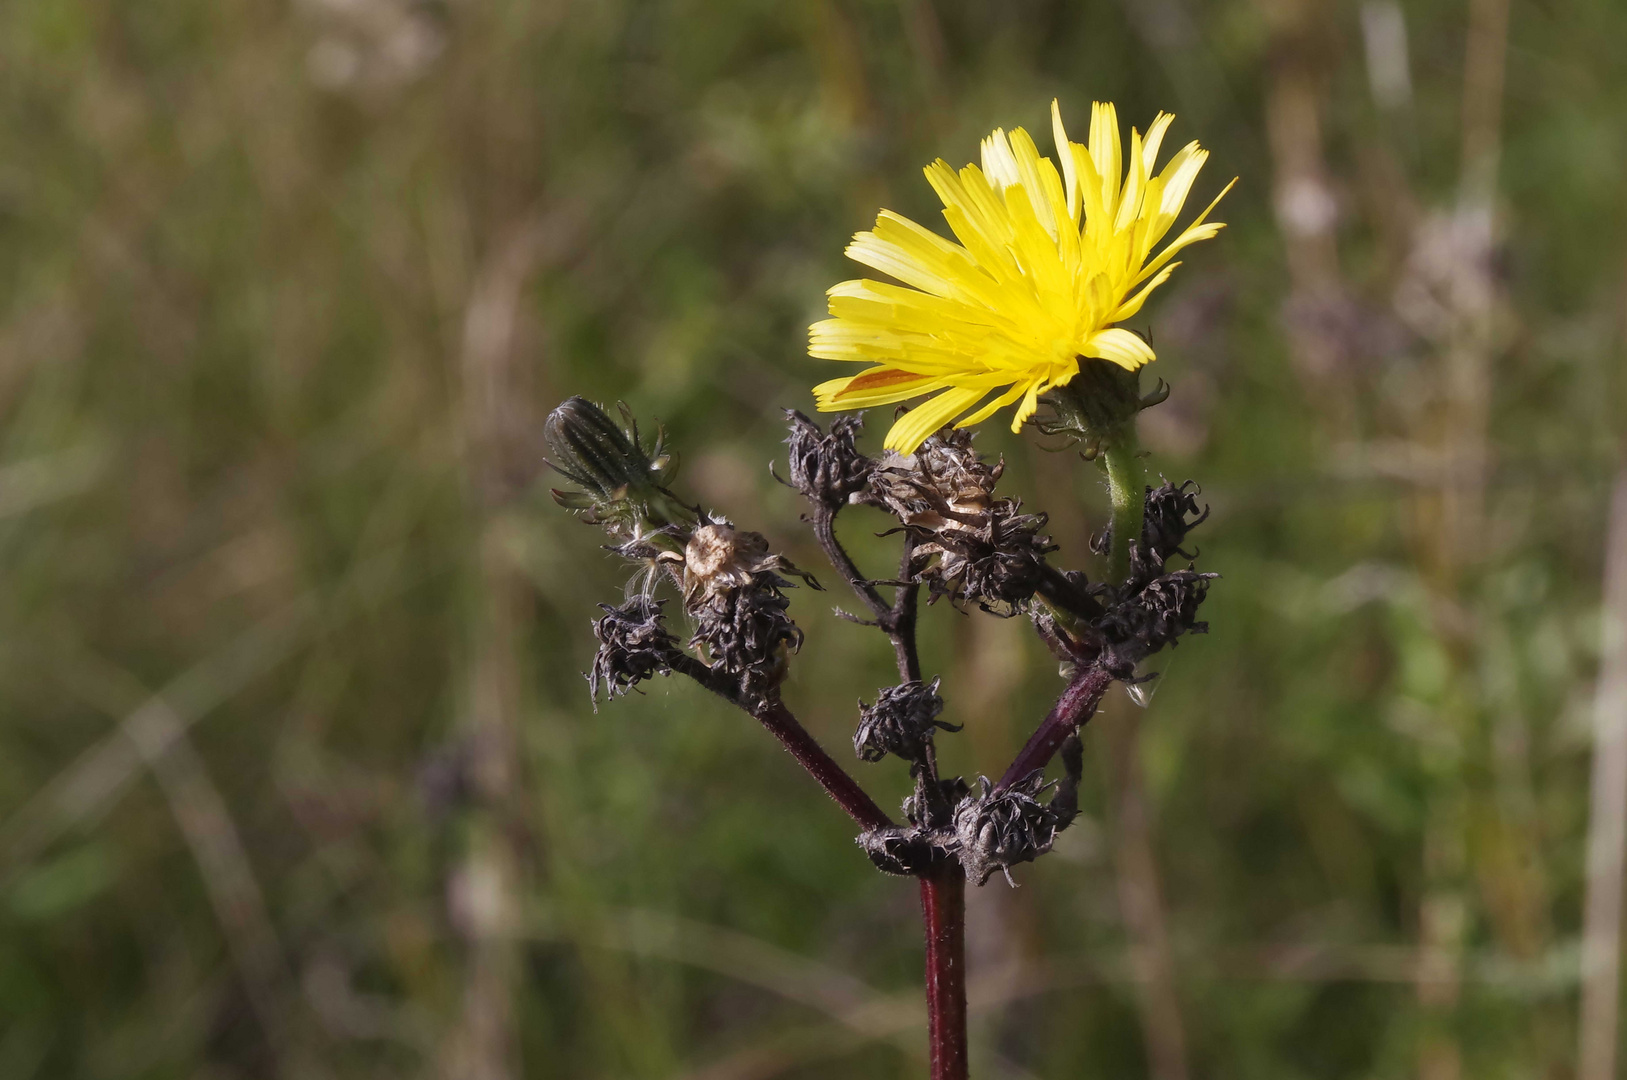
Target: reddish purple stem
x: 943, y: 911
x: 1074, y: 708
x: 831, y: 776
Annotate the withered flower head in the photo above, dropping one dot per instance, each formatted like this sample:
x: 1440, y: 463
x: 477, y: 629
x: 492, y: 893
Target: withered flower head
x: 733, y: 590
x: 746, y: 633
x: 827, y: 468
x: 633, y: 646
x: 1164, y: 527
x: 968, y: 544
x: 623, y: 484
x: 904, y: 852
x: 1144, y: 622
x: 719, y: 557
x: 944, y: 478
x: 1164, y: 524
x: 998, y: 564
x: 902, y: 722
x: 1153, y: 608
x: 1001, y: 828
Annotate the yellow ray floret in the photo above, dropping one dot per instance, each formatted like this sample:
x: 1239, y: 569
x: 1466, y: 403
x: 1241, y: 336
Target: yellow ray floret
x: 1047, y: 263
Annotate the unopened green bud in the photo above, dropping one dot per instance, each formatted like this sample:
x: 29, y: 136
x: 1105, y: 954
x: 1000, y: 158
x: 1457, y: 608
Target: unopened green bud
x: 623, y: 484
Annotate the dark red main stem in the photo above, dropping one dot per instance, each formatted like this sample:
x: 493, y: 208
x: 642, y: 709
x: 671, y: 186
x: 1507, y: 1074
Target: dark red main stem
x: 943, y: 911
x: 1076, y: 705
x: 831, y: 776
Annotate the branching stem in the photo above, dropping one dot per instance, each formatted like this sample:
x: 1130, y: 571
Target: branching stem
x: 896, y: 619
x: 943, y: 888
x: 785, y: 727
x: 1072, y: 710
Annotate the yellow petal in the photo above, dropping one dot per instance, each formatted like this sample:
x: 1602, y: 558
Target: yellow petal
x: 1064, y: 153
x: 1121, y: 347
x: 1104, y: 152
x: 992, y: 407
x: 1128, y: 309
x: 1154, y: 139
x: 838, y: 394
x: 912, y: 429
x: 998, y: 163
x: 1198, y: 230
x: 1028, y: 407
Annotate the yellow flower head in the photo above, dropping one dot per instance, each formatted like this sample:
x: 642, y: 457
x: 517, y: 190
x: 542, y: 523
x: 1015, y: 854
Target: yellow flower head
x: 1046, y: 264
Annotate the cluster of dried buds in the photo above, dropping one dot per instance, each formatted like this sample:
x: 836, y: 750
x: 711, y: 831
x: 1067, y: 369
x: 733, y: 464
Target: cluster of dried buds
x: 968, y: 544
x: 965, y: 542
x: 1155, y: 605
x: 731, y: 583
x: 962, y: 541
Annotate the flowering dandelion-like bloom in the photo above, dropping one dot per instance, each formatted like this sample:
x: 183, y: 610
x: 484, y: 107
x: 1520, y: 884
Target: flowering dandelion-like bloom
x: 1046, y: 265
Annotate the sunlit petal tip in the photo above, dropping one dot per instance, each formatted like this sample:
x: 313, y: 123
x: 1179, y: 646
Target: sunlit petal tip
x: 1120, y: 347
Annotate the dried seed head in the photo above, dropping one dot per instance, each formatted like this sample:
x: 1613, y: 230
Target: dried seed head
x: 997, y: 563
x: 944, y: 481
x: 1164, y: 524
x: 827, y: 468
x: 718, y: 557
x: 733, y: 591
x: 633, y: 646
x: 745, y: 633
x: 1144, y: 622
x: 1152, y: 608
x: 968, y: 544
x: 1001, y: 828
x: 901, y: 722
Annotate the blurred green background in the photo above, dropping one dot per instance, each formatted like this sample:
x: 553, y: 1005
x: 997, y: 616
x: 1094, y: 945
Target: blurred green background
x: 299, y: 776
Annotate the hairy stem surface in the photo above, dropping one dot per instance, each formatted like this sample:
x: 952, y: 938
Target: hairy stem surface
x: 1126, y: 487
x: 784, y: 726
x: 943, y: 912
x: 831, y: 776
x: 1074, y: 708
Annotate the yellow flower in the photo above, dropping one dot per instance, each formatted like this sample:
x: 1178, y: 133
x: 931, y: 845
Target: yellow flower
x: 1046, y: 264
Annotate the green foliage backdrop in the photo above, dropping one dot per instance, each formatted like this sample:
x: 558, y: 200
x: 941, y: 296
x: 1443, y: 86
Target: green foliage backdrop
x: 298, y: 774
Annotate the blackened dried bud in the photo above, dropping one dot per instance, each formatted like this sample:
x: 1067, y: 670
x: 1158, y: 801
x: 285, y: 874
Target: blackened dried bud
x: 1145, y: 621
x: 945, y: 480
x: 931, y: 805
x: 623, y: 484
x: 902, y: 722
x: 633, y: 646
x: 905, y: 852
x: 747, y: 634
x: 1001, y: 828
x: 1164, y: 527
x: 827, y: 467
x: 996, y: 561
x: 1164, y: 524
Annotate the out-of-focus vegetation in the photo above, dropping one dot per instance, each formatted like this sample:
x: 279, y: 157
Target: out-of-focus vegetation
x: 298, y: 774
